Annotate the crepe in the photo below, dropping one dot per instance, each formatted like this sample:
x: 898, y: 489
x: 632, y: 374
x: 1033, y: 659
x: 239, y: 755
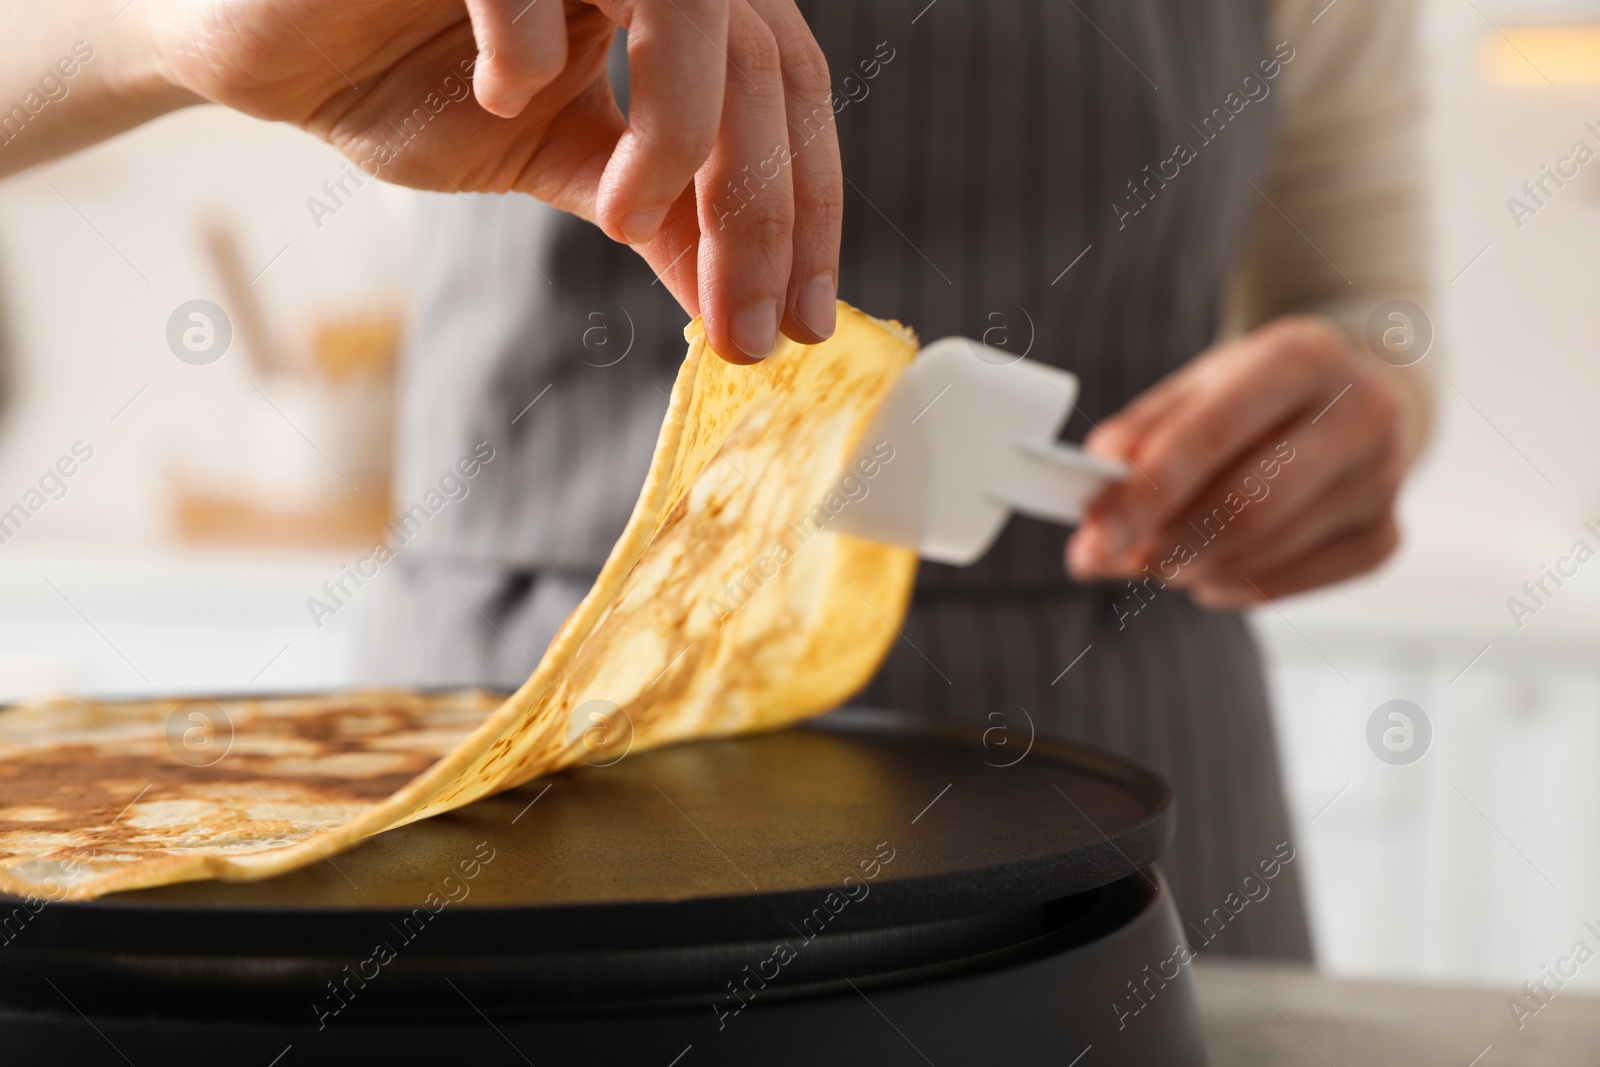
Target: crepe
x: 727, y: 605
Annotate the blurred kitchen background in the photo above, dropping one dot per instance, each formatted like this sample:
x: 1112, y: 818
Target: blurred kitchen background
x: 219, y: 496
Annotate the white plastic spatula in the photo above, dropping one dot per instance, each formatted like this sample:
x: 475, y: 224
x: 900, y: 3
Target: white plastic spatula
x: 972, y: 431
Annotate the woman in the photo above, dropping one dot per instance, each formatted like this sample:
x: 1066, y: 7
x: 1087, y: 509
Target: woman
x: 1088, y: 184
x: 1012, y: 173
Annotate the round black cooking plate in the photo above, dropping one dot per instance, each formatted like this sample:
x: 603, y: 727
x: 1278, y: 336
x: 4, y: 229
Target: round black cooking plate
x: 880, y: 842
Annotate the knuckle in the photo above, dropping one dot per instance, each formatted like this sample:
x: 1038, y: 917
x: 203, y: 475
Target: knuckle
x: 757, y: 50
x: 807, y: 70
x: 699, y: 141
x: 825, y: 210
x: 1162, y: 468
x: 1311, y: 339
x: 688, y: 149
x: 767, y: 227
x: 1213, y: 436
x: 677, y: 150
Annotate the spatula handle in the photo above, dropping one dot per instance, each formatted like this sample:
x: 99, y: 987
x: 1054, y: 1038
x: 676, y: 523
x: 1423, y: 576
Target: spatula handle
x: 1054, y: 481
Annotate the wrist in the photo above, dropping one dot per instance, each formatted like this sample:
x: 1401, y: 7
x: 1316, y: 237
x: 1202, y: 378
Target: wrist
x: 137, y: 71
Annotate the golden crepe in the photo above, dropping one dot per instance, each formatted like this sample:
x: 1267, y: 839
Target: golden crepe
x: 727, y: 605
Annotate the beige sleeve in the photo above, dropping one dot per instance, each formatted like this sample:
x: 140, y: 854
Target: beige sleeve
x: 1345, y: 229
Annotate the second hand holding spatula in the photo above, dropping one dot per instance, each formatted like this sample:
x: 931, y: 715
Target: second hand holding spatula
x: 973, y: 432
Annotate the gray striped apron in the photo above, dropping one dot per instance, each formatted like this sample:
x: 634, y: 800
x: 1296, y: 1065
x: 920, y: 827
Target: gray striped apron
x: 1010, y: 170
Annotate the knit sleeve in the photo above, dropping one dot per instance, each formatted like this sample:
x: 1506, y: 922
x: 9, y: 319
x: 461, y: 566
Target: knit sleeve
x: 1341, y: 228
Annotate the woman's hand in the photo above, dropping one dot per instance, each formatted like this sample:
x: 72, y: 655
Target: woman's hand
x: 725, y: 174
x: 1267, y: 466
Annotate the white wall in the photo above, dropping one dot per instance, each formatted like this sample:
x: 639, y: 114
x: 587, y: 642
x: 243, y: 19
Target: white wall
x: 96, y: 251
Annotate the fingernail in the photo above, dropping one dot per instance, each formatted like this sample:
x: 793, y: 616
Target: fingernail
x: 639, y: 227
x: 506, y: 107
x: 1081, y: 559
x: 1214, y: 598
x: 1097, y: 444
x: 818, y: 307
x: 755, y: 328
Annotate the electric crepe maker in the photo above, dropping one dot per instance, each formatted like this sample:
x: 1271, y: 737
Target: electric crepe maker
x: 863, y: 889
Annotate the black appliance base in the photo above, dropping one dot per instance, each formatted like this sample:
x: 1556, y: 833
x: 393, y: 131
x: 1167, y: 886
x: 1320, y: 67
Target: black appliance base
x: 1048, y: 1006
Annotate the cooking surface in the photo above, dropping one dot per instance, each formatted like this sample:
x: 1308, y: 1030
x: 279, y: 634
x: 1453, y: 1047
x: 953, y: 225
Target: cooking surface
x: 712, y: 840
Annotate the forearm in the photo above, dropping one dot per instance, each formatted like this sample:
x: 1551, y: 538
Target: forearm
x: 72, y: 73
x: 1344, y: 233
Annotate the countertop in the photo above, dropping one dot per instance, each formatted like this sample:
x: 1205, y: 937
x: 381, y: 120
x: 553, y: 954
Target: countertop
x: 1255, y: 1015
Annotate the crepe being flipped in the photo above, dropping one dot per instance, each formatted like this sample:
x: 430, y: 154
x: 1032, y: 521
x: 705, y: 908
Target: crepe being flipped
x: 726, y: 606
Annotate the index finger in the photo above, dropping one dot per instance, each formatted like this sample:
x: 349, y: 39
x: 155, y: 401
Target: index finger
x: 677, y: 65
x: 809, y: 305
